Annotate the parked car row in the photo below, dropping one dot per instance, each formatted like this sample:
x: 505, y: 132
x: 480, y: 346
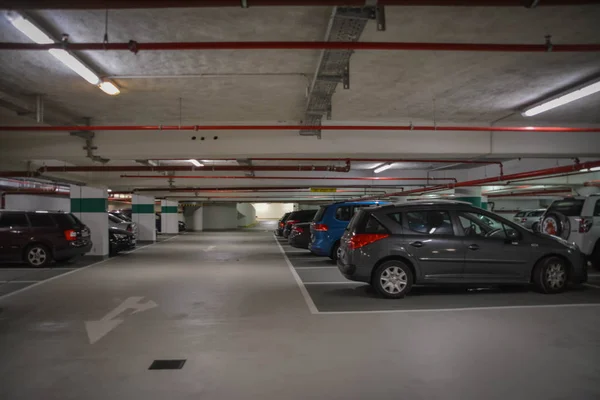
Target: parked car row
x: 393, y: 247
x: 41, y: 237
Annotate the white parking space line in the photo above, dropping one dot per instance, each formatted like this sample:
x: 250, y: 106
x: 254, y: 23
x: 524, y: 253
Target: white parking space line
x: 494, y: 308
x: 592, y: 286
x: 70, y: 272
x: 209, y: 248
x: 316, y: 267
x: 309, y: 302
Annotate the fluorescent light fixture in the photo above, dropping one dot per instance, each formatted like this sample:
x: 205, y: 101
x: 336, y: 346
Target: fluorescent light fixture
x: 564, y: 99
x: 109, y: 88
x: 109, y: 190
x: 196, y: 163
x: 382, y: 168
x: 590, y: 169
x: 77, y: 66
x: 30, y: 30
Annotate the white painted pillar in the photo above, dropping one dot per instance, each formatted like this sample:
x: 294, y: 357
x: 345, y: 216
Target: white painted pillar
x: 471, y: 195
x: 586, y: 190
x: 197, y: 220
x: 90, y: 205
x: 169, y: 219
x: 142, y: 213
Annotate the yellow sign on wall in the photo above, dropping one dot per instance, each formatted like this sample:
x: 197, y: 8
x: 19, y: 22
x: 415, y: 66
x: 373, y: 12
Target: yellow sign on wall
x: 323, y: 190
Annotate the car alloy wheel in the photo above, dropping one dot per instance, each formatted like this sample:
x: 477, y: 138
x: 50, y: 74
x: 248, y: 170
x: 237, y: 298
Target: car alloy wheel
x: 556, y: 276
x: 37, y: 256
x: 393, y: 280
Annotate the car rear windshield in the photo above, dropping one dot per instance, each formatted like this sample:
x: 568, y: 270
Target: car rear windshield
x: 536, y: 213
x: 67, y: 221
x: 568, y: 207
x: 365, y: 222
x: 319, y: 215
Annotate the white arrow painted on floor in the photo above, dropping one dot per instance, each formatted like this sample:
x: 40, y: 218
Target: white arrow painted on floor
x: 209, y: 248
x: 96, y: 330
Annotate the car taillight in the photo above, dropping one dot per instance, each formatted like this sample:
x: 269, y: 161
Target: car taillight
x: 359, y: 240
x: 585, y: 224
x: 281, y: 224
x: 320, y: 227
x: 298, y: 229
x: 70, y: 235
x: 292, y: 221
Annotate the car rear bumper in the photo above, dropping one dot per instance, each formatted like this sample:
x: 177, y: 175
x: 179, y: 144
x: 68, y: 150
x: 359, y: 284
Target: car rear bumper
x: 74, y: 249
x: 116, y: 247
x: 353, y: 272
x: 298, y: 242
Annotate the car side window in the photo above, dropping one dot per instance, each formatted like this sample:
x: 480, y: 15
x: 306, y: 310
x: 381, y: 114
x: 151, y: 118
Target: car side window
x: 480, y: 225
x: 597, y: 209
x: 343, y: 213
x: 430, y: 222
x: 374, y: 226
x: 13, y: 220
x: 396, y: 217
x: 41, y: 220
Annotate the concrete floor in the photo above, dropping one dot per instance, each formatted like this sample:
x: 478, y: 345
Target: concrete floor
x: 229, y: 304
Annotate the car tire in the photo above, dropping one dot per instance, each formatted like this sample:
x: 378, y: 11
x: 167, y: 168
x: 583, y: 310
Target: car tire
x: 334, y: 251
x: 535, y: 226
x: 393, y: 279
x: 595, y: 256
x: 37, y: 255
x: 551, y: 275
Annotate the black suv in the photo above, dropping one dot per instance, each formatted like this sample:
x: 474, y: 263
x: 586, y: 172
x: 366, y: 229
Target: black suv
x: 448, y: 242
x: 39, y: 237
x: 296, y: 217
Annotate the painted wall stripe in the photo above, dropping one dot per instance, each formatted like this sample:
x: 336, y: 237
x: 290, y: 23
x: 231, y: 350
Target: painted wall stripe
x: 142, y: 208
x: 169, y: 209
x: 89, y: 205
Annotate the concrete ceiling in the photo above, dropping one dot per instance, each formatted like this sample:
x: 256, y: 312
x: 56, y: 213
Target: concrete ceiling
x: 269, y: 86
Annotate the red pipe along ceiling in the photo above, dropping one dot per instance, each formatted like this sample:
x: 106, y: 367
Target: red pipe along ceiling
x: 285, y: 178
x: 142, y: 168
x: 499, y: 178
x: 294, y: 127
x: 133, y: 4
x: 136, y: 47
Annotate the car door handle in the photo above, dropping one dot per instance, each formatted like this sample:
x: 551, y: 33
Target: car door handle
x: 416, y: 244
x: 473, y: 247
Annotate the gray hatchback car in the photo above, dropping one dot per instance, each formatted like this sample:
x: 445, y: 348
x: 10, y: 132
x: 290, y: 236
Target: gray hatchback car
x: 393, y: 247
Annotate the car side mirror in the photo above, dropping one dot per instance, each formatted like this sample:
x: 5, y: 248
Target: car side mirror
x: 512, y: 236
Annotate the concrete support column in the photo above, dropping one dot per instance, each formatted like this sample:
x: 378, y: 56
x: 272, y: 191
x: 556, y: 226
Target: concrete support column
x: 90, y: 205
x: 169, y: 218
x: 471, y: 195
x: 586, y: 190
x: 142, y: 208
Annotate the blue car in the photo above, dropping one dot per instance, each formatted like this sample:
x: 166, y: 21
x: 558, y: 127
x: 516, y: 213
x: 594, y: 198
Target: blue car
x: 329, y: 224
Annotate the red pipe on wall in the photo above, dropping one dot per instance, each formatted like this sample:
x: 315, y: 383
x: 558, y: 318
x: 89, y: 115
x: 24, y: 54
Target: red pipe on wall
x: 499, y: 178
x: 294, y: 127
x: 534, y: 193
x: 257, y: 45
x: 133, y: 4
x: 285, y: 178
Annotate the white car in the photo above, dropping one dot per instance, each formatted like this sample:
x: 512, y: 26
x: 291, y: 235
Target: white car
x: 530, y: 219
x: 576, y: 219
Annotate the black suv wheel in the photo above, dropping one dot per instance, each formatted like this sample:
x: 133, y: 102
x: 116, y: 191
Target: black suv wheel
x: 393, y: 279
x: 37, y: 255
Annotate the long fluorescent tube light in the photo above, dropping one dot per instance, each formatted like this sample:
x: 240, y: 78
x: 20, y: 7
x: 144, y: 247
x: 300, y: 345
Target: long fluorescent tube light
x: 564, y: 99
x: 76, y: 65
x: 30, y: 30
x: 382, y: 168
x: 196, y: 163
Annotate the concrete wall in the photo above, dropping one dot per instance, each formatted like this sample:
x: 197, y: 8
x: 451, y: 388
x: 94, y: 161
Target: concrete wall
x: 246, y: 214
x: 510, y: 205
x: 272, y: 210
x: 219, y: 216
x: 26, y: 202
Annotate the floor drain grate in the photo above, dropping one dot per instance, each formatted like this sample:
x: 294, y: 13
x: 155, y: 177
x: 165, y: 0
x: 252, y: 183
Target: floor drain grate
x: 167, y: 364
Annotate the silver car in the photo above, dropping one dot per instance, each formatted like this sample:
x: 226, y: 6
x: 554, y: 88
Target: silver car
x: 530, y: 219
x: 448, y: 242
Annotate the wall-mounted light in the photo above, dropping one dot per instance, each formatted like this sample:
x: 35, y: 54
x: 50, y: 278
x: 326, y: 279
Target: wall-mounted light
x: 382, y: 168
x: 576, y: 94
